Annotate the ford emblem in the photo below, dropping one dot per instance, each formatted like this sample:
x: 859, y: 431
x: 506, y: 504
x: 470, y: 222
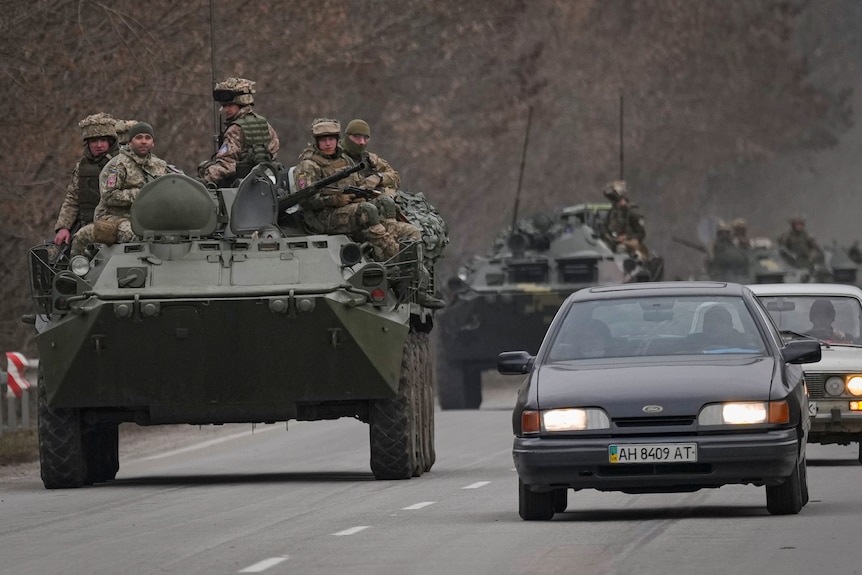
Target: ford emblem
x: 653, y: 408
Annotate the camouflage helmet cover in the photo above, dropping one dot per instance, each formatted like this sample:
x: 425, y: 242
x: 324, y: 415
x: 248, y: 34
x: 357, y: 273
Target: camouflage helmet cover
x: 615, y: 190
x: 739, y: 224
x: 797, y: 219
x: 234, y: 91
x: 99, y: 125
x: 325, y: 127
x: 723, y: 227
x: 123, y: 127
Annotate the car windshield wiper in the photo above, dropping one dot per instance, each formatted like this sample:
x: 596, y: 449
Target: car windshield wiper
x: 806, y: 336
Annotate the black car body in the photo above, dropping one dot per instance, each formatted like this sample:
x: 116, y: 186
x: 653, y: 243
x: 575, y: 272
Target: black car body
x: 635, y: 390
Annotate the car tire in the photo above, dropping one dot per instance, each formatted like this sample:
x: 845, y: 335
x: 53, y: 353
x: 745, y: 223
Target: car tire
x: 787, y: 498
x: 561, y: 500
x: 535, y: 506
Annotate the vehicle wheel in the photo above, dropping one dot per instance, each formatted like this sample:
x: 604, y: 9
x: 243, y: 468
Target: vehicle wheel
x: 61, y: 454
x: 786, y: 499
x: 426, y: 379
x: 415, y: 365
x: 101, y: 452
x: 535, y: 506
x: 561, y: 500
x: 459, y: 385
x: 804, y: 482
x: 860, y: 452
x: 391, y: 424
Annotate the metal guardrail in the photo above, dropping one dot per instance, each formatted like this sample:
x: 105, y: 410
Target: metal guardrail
x: 18, y: 413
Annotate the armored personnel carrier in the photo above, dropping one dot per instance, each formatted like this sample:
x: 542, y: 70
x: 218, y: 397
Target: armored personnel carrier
x: 227, y: 311
x: 505, y: 300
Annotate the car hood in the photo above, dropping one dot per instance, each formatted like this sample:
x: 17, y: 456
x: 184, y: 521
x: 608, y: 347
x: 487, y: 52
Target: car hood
x: 836, y: 357
x: 680, y: 387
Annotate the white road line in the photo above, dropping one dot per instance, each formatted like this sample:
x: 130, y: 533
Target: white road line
x: 418, y: 505
x: 263, y: 565
x: 476, y: 485
x: 352, y: 530
x: 205, y: 444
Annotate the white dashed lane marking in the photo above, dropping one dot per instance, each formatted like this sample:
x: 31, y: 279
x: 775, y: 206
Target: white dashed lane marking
x: 418, y: 505
x: 476, y: 485
x: 352, y: 530
x: 261, y: 566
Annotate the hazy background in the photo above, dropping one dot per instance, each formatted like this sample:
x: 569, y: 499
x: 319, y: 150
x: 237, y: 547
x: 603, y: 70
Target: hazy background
x: 732, y: 108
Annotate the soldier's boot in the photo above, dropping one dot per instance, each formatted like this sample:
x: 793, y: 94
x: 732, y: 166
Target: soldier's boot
x: 424, y: 297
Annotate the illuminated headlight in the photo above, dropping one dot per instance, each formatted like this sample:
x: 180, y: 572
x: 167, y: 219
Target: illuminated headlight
x: 575, y: 419
x: 834, y: 385
x: 854, y: 385
x: 79, y: 265
x: 744, y: 413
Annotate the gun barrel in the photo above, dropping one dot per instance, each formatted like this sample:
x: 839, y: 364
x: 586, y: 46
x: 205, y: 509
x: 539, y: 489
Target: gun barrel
x: 289, y: 200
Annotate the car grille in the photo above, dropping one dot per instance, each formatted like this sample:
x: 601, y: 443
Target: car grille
x: 815, y: 382
x: 649, y: 469
x: 654, y: 421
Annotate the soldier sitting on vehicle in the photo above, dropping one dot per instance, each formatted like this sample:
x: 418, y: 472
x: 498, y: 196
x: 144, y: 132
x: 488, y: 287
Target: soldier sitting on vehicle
x: 728, y: 261
x: 740, y: 233
x: 799, y: 246
x: 624, y: 226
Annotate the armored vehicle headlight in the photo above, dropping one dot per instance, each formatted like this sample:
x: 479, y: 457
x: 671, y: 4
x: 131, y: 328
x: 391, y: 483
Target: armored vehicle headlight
x: 79, y: 266
x: 351, y: 254
x: 834, y: 385
x: 854, y: 385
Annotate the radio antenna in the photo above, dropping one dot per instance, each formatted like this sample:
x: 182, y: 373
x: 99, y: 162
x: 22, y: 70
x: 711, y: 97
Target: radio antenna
x: 521, y: 173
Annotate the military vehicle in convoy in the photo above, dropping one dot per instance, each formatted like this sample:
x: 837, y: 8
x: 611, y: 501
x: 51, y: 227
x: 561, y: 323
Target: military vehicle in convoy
x: 506, y: 299
x: 227, y: 311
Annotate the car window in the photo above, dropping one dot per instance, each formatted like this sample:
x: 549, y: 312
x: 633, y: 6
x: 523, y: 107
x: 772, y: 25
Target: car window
x: 837, y: 319
x: 656, y: 326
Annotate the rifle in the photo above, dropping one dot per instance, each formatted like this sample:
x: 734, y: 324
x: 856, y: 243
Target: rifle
x: 287, y: 200
x: 690, y: 244
x: 369, y: 195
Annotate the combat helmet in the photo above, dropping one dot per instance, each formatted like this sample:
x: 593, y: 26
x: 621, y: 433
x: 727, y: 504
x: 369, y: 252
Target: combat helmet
x: 99, y: 125
x: 796, y: 219
x: 123, y: 127
x: 739, y: 224
x: 325, y: 127
x: 234, y: 91
x: 615, y: 191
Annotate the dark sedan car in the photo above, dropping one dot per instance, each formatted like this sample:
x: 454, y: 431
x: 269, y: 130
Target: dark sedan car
x: 661, y: 387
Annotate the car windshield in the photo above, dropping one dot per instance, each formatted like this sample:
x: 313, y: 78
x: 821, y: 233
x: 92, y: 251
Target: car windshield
x: 835, y: 319
x: 656, y: 326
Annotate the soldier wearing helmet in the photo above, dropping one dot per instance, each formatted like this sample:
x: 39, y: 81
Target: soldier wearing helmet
x: 247, y: 138
x: 728, y: 261
x: 82, y: 194
x: 624, y: 226
x: 739, y: 228
x: 799, y: 246
x: 331, y: 211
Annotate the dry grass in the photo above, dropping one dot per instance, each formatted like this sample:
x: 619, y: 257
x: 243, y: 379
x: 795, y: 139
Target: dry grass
x: 19, y: 447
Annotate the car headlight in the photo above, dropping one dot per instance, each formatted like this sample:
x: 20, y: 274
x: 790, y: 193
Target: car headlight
x: 834, y: 385
x: 79, y: 265
x: 568, y: 419
x: 744, y: 413
x: 854, y: 384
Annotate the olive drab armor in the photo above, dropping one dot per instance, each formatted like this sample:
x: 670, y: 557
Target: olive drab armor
x: 256, y: 141
x: 88, y: 183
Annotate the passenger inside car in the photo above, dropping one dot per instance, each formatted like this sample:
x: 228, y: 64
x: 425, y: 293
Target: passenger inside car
x: 718, y: 332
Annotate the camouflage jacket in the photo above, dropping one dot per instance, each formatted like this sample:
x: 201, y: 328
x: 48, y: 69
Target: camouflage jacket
x: 82, y: 193
x: 801, y: 246
x: 121, y: 180
x: 314, y: 165
x: 233, y: 150
x: 625, y: 221
x: 390, y: 181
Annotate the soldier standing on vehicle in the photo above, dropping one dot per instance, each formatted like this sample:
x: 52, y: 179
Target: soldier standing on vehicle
x: 386, y: 181
x: 624, y: 226
x: 119, y: 183
x: 247, y: 139
x: 800, y: 246
x: 82, y: 193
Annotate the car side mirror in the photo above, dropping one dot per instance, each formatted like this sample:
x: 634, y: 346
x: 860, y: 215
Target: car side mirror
x: 515, y: 362
x: 801, y: 351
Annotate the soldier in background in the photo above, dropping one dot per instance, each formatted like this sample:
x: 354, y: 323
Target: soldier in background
x: 247, y: 138
x: 82, y: 194
x: 119, y: 183
x: 728, y: 261
x: 624, y: 225
x: 800, y: 246
x: 740, y: 233
x: 123, y: 127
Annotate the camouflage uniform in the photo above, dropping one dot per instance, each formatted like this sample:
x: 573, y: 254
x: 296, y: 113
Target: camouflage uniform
x: 729, y: 262
x: 799, y: 245
x: 82, y: 193
x: 322, y: 212
x: 740, y: 233
x: 247, y: 139
x: 624, y: 225
x: 123, y: 127
x: 119, y: 183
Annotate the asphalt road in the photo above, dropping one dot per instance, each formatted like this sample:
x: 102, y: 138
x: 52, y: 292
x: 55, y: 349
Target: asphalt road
x: 305, y: 502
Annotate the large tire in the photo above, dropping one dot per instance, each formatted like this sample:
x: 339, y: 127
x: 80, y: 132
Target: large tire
x: 787, y: 498
x: 428, y: 396
x: 459, y: 385
x: 535, y: 506
x: 392, y: 424
x: 101, y: 452
x: 61, y: 453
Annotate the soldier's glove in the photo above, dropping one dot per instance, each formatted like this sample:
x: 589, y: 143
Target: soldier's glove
x: 372, y: 181
x: 341, y: 200
x: 62, y: 236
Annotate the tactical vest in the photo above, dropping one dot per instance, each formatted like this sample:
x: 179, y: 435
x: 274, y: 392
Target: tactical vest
x: 256, y: 141
x: 88, y: 185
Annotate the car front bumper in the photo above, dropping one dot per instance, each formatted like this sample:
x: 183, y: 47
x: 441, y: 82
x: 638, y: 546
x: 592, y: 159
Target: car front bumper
x: 764, y: 458
x: 834, y: 422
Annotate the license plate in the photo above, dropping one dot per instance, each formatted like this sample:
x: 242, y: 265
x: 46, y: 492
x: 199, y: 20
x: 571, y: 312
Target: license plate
x: 812, y: 408
x: 652, y: 453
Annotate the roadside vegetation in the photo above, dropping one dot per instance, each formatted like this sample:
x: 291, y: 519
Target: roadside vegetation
x: 20, y: 446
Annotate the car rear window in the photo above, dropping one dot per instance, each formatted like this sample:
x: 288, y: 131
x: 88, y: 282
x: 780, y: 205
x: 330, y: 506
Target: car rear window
x: 656, y: 326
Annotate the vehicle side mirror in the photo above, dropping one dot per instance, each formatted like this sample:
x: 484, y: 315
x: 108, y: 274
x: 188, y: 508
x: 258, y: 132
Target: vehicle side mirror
x: 801, y: 351
x: 515, y: 362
